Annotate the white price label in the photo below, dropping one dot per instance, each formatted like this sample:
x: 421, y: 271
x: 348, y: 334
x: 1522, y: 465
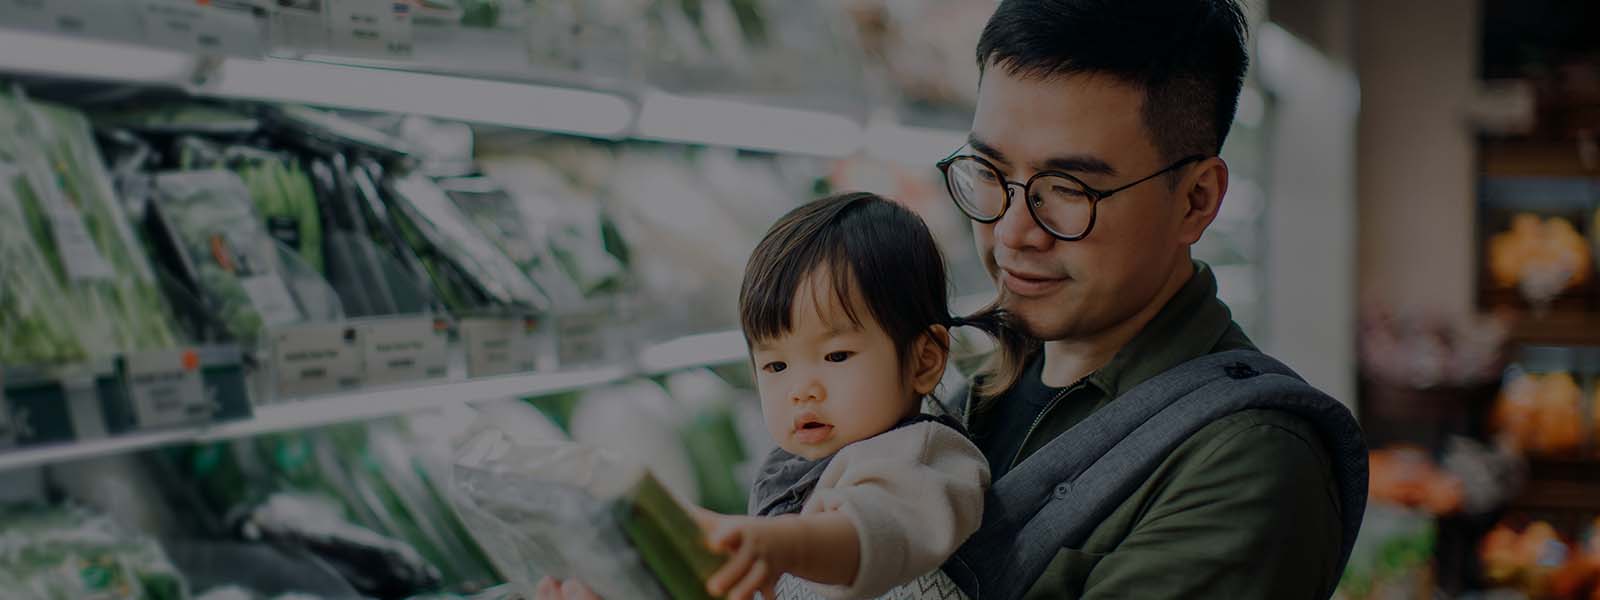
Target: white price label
x: 78, y: 252
x: 79, y: 255
x: 165, y: 388
x: 400, y: 350
x: 299, y: 25
x: 499, y: 346
x: 370, y: 27
x: 317, y: 359
x: 271, y: 299
x: 202, y: 27
x: 101, y: 19
x: 581, y: 339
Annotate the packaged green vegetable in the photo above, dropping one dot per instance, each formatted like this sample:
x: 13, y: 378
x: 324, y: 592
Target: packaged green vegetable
x: 245, y: 274
x: 79, y: 228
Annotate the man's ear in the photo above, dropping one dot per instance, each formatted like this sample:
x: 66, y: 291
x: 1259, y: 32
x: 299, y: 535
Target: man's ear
x: 929, y: 355
x: 1202, y: 193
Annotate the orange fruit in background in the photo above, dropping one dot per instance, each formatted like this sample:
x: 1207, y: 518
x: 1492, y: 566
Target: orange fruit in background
x: 1560, y: 420
x: 1541, y: 414
x: 1536, y: 243
x: 1497, y: 551
x: 1514, y: 412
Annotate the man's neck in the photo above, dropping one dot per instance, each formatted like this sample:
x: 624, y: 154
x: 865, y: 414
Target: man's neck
x: 1066, y: 361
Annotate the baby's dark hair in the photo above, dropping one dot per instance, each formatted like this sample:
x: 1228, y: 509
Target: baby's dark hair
x: 847, y: 237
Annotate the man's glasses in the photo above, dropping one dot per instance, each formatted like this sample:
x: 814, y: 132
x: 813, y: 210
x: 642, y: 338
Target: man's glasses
x: 1061, y: 204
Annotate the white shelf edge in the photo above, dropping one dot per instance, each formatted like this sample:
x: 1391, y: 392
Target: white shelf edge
x: 682, y: 353
x: 693, y: 351
x: 372, y: 404
x: 606, y: 112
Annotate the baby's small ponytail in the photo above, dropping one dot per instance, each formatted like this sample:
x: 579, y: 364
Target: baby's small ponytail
x: 1015, y: 347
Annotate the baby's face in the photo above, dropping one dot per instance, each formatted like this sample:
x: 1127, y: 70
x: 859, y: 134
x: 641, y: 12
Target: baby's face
x: 827, y: 382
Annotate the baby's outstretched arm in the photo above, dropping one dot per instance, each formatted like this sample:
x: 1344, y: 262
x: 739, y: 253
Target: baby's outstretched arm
x: 820, y: 547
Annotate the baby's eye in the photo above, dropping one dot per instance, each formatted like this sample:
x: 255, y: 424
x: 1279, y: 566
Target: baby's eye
x: 839, y: 356
x: 774, y: 367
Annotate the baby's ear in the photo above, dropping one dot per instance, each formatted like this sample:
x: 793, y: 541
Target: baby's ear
x: 929, y: 355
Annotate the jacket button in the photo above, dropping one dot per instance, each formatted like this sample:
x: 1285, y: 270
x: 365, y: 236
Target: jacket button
x: 1062, y: 491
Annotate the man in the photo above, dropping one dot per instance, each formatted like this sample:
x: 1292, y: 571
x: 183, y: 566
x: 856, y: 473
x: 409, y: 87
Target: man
x: 1104, y: 119
x: 1092, y: 169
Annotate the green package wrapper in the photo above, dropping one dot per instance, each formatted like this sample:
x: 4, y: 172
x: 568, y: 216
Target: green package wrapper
x: 668, y: 540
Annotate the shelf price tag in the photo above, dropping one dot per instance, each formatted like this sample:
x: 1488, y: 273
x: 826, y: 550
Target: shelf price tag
x: 406, y: 349
x: 317, y: 359
x: 300, y: 25
x: 500, y: 346
x: 165, y: 388
x: 202, y: 27
x: 581, y: 338
x: 100, y: 19
x: 380, y: 28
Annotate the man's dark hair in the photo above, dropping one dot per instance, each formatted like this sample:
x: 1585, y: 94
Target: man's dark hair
x: 865, y: 245
x: 1188, y: 56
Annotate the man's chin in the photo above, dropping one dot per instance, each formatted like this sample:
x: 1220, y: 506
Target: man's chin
x: 1029, y: 315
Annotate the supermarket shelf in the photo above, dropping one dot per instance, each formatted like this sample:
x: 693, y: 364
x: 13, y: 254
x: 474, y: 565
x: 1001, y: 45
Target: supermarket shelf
x: 1559, y: 329
x: 595, y: 109
x: 693, y: 351
x: 322, y: 410
x: 687, y: 352
x: 1560, y: 495
x: 1565, y: 484
x: 371, y: 404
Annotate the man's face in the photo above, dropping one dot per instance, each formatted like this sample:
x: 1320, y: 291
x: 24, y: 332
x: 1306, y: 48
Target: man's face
x: 1090, y: 127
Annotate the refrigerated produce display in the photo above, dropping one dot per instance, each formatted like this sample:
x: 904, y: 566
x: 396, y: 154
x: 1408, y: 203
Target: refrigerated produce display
x: 287, y: 290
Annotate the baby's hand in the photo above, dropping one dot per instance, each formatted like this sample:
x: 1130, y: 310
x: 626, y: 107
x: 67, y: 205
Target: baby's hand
x: 756, y: 559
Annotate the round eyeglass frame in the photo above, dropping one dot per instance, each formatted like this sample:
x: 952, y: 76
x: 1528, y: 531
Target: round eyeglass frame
x: 1095, y: 196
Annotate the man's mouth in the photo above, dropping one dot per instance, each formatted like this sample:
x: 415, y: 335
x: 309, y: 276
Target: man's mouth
x: 1027, y: 284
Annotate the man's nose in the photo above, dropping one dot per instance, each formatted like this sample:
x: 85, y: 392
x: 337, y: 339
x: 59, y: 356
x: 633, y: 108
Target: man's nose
x: 1016, y: 229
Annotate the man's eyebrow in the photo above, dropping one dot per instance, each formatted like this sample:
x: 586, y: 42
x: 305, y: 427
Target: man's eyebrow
x: 1080, y: 163
x: 985, y: 149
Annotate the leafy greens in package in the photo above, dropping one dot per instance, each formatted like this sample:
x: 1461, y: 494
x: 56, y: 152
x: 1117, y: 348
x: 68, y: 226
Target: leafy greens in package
x: 71, y: 554
x: 556, y: 508
x: 456, y: 242
x: 242, y: 271
x: 77, y: 227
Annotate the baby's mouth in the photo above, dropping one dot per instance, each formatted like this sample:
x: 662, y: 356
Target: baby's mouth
x: 809, y: 430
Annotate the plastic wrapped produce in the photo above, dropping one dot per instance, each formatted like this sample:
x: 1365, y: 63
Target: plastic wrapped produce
x: 79, y: 228
x: 250, y: 281
x: 459, y: 245
x: 38, y: 327
x: 72, y: 554
x: 555, y: 508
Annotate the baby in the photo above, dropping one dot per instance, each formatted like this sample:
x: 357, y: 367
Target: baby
x: 845, y: 311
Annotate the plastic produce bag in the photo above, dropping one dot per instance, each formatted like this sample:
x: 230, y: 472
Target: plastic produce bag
x: 371, y: 562
x: 547, y: 507
x: 38, y: 326
x: 251, y: 281
x: 442, y: 226
x: 71, y: 554
x: 79, y: 228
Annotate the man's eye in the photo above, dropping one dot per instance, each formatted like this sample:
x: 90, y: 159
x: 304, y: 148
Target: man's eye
x: 774, y: 367
x: 839, y: 356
